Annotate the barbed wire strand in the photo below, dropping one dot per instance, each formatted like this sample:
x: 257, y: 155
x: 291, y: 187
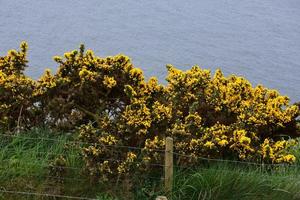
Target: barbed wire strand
x: 55, y: 177
x: 158, y: 150
x: 44, y: 194
x: 75, y: 168
x: 43, y: 152
x: 82, y: 180
x: 52, y: 177
x: 244, y: 173
x: 231, y: 161
x: 138, y: 148
x: 79, y: 142
x: 39, y: 165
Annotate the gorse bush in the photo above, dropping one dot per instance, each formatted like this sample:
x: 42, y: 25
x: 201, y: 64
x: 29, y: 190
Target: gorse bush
x: 16, y: 90
x: 109, y: 102
x: 217, y: 116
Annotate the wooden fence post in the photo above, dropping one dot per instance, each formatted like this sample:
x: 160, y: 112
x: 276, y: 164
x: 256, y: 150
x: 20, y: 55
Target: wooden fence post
x: 169, y: 165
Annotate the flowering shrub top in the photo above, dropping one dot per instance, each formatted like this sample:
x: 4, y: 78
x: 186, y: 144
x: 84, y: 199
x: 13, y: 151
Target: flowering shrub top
x: 16, y: 90
x: 224, y: 115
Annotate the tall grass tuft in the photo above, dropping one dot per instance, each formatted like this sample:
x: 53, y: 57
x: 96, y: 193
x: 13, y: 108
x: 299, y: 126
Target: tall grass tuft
x: 224, y: 181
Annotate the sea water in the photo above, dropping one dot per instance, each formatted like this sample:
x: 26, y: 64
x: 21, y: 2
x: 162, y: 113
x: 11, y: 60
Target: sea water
x: 259, y: 40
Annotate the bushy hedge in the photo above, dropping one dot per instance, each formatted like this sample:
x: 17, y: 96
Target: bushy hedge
x: 112, y: 104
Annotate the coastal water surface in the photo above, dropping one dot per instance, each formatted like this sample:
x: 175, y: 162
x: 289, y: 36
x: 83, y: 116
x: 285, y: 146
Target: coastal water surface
x: 256, y: 39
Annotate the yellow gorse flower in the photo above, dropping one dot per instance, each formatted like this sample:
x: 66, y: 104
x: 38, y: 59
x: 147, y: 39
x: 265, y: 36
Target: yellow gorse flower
x: 109, y: 82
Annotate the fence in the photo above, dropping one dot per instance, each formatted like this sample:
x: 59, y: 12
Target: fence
x: 166, y: 168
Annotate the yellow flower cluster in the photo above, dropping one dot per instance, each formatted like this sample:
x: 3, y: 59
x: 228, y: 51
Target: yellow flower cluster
x: 89, y: 76
x: 109, y: 82
x: 277, y: 152
x: 241, y: 143
x: 137, y: 117
x: 161, y: 112
x: 136, y: 74
x: 110, y: 161
x: 149, y: 151
x: 128, y: 163
x: 46, y: 81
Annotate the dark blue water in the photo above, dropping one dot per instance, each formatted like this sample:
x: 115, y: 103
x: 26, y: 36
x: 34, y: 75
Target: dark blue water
x: 256, y: 39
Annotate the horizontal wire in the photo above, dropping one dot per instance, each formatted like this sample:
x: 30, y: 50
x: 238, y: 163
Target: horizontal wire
x: 78, y: 142
x: 32, y: 175
x: 55, y: 177
x: 77, y: 168
x: 80, y: 179
x: 102, y: 159
x: 158, y: 150
x: 232, y: 161
x: 174, y: 153
x: 246, y: 173
x: 44, y: 152
x: 155, y: 178
x: 52, y: 177
x: 44, y: 194
x: 39, y: 165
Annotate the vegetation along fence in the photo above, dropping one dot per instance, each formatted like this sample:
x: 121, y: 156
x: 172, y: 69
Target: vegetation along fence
x: 26, y: 174
x: 107, y: 128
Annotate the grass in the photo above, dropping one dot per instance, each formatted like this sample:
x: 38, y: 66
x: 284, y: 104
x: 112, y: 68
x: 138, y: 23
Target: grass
x: 26, y: 166
x: 26, y: 162
x: 223, y: 181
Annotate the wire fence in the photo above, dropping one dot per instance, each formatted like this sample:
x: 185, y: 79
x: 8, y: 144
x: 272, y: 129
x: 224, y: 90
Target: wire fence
x: 12, y: 167
x: 44, y: 195
x: 233, y: 161
x: 80, y: 142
